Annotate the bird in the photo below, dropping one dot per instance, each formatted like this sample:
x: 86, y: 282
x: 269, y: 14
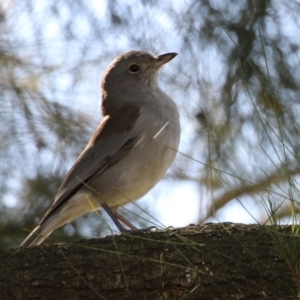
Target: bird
x: 129, y: 152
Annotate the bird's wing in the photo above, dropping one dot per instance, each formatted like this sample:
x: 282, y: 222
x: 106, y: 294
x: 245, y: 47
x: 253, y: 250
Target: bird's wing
x: 112, y: 140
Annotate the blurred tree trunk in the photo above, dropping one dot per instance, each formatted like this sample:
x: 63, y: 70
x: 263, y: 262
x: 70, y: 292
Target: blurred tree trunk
x: 211, y: 261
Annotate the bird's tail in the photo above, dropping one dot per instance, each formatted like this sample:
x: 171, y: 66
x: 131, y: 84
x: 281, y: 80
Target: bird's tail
x: 36, y: 237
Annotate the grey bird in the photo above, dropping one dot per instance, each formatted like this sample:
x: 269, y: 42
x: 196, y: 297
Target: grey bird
x: 130, y: 151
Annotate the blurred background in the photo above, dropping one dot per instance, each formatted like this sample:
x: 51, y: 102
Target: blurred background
x: 236, y: 83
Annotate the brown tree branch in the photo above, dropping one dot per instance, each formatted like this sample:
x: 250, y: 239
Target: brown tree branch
x: 262, y: 185
x: 212, y: 261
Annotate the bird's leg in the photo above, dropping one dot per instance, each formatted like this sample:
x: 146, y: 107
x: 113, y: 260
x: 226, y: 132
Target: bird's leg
x: 117, y: 218
x: 126, y: 222
x: 113, y: 217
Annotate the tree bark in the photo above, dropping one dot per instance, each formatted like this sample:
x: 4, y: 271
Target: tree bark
x: 211, y: 261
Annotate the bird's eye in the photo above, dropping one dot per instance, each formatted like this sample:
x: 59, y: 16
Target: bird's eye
x: 134, y: 69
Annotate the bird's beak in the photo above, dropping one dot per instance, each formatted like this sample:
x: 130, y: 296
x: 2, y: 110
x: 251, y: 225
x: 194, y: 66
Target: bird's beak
x: 164, y: 58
